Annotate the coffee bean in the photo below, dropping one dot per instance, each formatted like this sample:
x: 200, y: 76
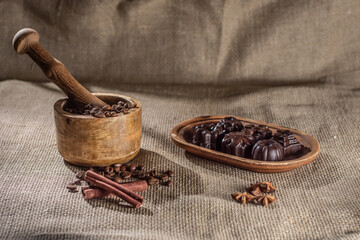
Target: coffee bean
x: 168, y: 183
x: 116, y: 169
x: 113, y: 114
x: 132, y: 167
x: 126, y: 175
x: 108, y: 176
x: 112, y: 174
x: 101, y: 173
x: 153, y: 173
x: 117, y: 179
x: 170, y: 173
x: 107, y: 114
x: 153, y: 181
x: 123, y: 168
x: 163, y: 177
x: 91, y: 169
x: 77, y: 182
x: 127, y: 164
x: 80, y: 175
x: 126, y: 111
x: 99, y: 115
x: 142, y: 176
x: 94, y: 110
x: 135, y: 173
x: 71, y: 187
x: 140, y: 167
x: 108, y: 169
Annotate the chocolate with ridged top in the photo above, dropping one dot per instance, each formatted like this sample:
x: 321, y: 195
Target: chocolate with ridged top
x: 287, y: 141
x: 267, y: 150
x: 238, y: 144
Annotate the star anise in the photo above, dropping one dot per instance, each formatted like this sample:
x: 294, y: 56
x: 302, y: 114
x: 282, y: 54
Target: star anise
x: 267, y: 187
x: 243, y: 197
x: 254, y: 189
x: 265, y: 200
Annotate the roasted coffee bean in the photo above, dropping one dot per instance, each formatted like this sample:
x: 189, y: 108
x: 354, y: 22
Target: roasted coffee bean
x: 99, y: 115
x: 117, y: 179
x: 132, y: 167
x: 71, y: 187
x: 123, y: 168
x: 108, y: 176
x: 112, y: 174
x: 127, y: 164
x: 116, y: 169
x: 80, y: 175
x: 153, y: 181
x: 142, y: 176
x: 94, y: 110
x: 77, y: 182
x: 153, y: 173
x: 170, y: 173
x: 168, y: 183
x: 107, y: 114
x: 108, y: 169
x: 113, y: 114
x: 135, y: 173
x: 91, y: 169
x: 140, y: 167
x: 86, y: 112
x: 101, y: 173
x: 163, y: 177
x: 126, y: 111
x: 126, y: 175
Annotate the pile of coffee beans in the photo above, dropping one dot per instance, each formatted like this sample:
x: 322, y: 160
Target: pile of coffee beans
x: 121, y: 172
x: 95, y: 111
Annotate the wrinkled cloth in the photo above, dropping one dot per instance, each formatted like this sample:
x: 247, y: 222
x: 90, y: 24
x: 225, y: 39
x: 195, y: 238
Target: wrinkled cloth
x: 291, y: 63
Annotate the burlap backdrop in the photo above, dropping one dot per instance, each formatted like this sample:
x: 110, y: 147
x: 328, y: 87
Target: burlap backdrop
x: 293, y: 63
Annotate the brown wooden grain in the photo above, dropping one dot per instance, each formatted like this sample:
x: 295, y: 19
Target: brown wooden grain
x: 84, y: 140
x: 177, y: 135
x: 27, y: 41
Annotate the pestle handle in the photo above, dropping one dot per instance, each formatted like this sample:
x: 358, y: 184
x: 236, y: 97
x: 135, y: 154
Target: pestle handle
x: 27, y: 41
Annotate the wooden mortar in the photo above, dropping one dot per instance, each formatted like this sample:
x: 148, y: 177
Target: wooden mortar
x: 88, y: 141
x: 84, y: 140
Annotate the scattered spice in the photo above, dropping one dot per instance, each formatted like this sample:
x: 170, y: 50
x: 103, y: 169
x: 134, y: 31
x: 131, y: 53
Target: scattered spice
x: 243, y: 197
x: 264, y: 200
x: 255, y: 192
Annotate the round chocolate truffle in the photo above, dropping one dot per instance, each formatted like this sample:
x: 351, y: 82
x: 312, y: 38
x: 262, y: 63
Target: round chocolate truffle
x: 267, y: 150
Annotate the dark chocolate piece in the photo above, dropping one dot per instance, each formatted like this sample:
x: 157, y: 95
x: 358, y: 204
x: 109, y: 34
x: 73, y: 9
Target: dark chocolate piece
x: 268, y: 150
x: 258, y: 131
x: 208, y: 136
x: 238, y: 144
x: 230, y: 124
x: 287, y: 141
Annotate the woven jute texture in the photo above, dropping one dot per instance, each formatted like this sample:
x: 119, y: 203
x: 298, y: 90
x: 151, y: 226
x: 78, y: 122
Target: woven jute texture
x: 319, y: 200
x: 291, y: 63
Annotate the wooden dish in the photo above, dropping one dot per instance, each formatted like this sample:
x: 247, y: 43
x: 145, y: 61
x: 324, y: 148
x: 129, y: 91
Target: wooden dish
x: 87, y: 141
x: 181, y: 135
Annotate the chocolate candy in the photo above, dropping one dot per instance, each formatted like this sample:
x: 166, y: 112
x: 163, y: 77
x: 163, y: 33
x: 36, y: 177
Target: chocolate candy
x: 208, y: 136
x: 258, y: 131
x: 267, y: 150
x: 287, y: 141
x: 238, y: 144
x: 230, y: 124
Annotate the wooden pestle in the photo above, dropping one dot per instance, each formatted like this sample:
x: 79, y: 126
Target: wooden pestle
x: 27, y: 41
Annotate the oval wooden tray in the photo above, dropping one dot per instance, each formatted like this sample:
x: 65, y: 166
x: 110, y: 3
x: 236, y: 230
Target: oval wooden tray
x: 181, y: 135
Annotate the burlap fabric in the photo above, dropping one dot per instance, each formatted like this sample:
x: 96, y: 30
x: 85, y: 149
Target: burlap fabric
x: 292, y: 63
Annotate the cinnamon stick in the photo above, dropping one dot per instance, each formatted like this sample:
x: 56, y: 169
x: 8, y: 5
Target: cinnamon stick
x: 110, y: 186
x: 135, y: 203
x: 94, y: 192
